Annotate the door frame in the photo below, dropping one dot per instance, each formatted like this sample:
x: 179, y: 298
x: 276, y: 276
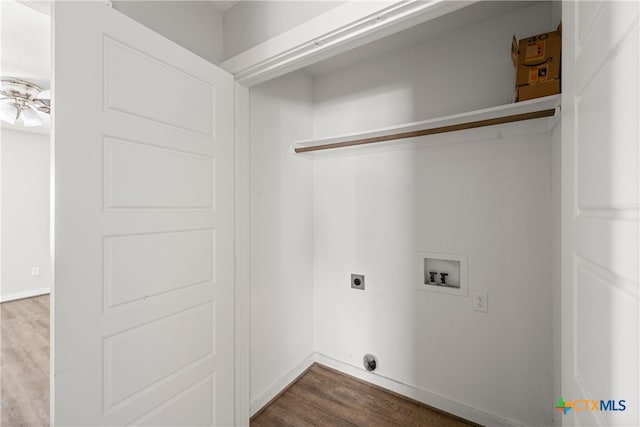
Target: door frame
x: 242, y: 187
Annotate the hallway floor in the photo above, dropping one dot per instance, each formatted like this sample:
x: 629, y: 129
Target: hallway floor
x: 24, y: 362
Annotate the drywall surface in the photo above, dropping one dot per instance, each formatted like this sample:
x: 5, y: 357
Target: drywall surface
x: 281, y: 232
x: 459, y: 71
x: 195, y: 25
x: 487, y: 199
x: 249, y: 23
x: 25, y: 214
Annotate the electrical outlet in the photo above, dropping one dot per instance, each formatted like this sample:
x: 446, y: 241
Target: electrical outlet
x: 35, y: 271
x: 357, y: 281
x: 480, y: 302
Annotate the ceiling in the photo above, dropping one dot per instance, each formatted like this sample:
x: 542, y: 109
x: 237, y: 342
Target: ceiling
x: 26, y: 49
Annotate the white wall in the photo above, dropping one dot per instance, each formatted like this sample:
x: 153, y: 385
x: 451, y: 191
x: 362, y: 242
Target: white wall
x: 487, y: 199
x: 25, y: 214
x: 215, y: 35
x: 195, y: 25
x: 281, y: 234
x: 458, y: 71
x: 249, y: 23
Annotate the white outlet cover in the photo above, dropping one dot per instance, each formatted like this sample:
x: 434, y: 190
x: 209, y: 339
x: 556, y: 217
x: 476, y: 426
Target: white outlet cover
x: 35, y: 271
x: 480, y: 301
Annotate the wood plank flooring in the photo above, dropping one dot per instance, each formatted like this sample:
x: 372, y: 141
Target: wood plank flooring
x: 321, y: 397
x: 24, y: 362
x: 324, y: 397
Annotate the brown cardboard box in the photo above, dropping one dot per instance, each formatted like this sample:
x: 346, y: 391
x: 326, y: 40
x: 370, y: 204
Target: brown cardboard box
x: 539, y: 90
x: 537, y: 63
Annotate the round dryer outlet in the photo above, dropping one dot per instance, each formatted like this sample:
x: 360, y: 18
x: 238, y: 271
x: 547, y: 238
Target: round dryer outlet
x: 370, y: 363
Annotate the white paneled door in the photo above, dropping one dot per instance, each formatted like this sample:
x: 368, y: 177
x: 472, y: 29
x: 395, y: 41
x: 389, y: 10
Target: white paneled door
x: 600, y: 310
x: 144, y: 266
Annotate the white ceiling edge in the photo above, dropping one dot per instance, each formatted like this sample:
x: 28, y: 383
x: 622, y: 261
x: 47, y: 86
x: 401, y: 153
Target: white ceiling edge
x: 223, y: 5
x: 43, y: 6
x: 419, y: 33
x: 340, y: 17
x: 340, y: 29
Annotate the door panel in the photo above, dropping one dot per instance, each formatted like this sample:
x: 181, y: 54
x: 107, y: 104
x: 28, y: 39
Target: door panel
x: 126, y: 375
x: 608, y: 173
x: 143, y: 297
x: 132, y: 271
x: 600, y: 254
x: 186, y: 408
x: 140, y: 176
x: 128, y: 89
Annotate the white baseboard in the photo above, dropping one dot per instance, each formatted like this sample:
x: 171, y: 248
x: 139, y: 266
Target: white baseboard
x: 281, y: 384
x: 424, y: 396
x: 25, y: 294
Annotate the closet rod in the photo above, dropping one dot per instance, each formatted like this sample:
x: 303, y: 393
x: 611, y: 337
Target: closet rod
x: 432, y: 131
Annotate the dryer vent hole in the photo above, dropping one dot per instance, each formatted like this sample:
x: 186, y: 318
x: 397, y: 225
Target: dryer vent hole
x: 370, y: 363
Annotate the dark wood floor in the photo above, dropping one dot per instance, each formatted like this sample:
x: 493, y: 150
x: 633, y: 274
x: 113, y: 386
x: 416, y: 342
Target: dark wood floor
x: 324, y: 397
x: 24, y: 362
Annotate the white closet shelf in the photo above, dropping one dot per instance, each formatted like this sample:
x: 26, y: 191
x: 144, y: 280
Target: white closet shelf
x: 542, y: 108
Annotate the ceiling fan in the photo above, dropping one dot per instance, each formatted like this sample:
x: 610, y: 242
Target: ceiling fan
x: 20, y: 99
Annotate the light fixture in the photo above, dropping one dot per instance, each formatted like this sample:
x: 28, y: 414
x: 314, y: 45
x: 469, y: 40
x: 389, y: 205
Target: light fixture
x: 20, y: 99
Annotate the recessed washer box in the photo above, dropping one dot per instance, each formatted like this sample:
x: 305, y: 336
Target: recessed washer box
x: 444, y: 273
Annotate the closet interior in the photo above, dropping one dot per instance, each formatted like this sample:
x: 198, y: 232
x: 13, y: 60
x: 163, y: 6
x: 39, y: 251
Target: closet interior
x: 488, y: 192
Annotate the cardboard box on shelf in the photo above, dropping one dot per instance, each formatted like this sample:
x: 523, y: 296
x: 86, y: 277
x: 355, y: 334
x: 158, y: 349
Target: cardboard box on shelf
x: 539, y: 90
x: 537, y: 63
